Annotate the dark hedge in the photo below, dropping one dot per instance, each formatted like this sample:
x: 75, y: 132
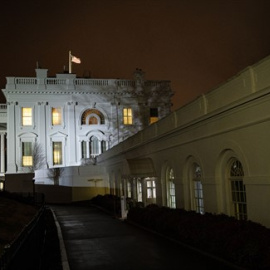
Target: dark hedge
x: 244, y: 243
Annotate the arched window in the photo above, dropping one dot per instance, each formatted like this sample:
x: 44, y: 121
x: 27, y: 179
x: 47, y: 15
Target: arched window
x: 171, y: 189
x: 92, y: 117
x: 93, y: 120
x: 92, y: 147
x: 238, y: 190
x: 198, y: 189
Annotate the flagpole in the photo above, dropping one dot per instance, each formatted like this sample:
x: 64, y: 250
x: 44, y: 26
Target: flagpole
x: 69, y: 63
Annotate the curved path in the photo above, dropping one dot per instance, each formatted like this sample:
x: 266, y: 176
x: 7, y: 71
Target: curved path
x: 95, y: 240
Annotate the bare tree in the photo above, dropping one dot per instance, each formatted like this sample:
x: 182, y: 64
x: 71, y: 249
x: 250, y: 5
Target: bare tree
x: 38, y: 157
x: 55, y: 174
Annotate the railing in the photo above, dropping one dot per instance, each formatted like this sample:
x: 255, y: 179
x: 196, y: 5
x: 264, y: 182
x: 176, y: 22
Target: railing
x: 95, y: 82
x: 83, y: 82
x: 25, y: 81
x: 55, y: 81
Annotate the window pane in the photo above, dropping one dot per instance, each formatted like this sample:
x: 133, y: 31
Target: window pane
x: 93, y: 120
x: 27, y: 158
x: 56, y: 116
x: 57, y: 153
x: 127, y: 116
x: 27, y: 116
x: 94, y: 146
x: 238, y: 190
x: 84, y: 149
x: 87, y: 118
x: 103, y: 146
x: 198, y: 188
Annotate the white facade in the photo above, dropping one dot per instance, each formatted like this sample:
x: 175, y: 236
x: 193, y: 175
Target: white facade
x: 211, y: 155
x: 73, y: 120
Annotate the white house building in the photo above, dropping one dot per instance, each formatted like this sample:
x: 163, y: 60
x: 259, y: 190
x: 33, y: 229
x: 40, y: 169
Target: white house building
x: 211, y: 155
x: 73, y: 119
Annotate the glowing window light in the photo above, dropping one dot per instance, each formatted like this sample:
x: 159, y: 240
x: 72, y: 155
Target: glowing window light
x: 57, y: 153
x: 151, y: 189
x: 27, y: 158
x: 93, y: 120
x: 27, y: 117
x: 153, y: 115
x: 127, y: 116
x: 56, y: 116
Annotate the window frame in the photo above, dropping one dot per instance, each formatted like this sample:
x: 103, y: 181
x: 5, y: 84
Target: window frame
x: 151, y: 189
x: 127, y: 116
x: 238, y: 196
x: 27, y: 157
x: 25, y: 118
x: 55, y: 164
x: 171, y: 188
x: 61, y: 116
x: 198, y: 197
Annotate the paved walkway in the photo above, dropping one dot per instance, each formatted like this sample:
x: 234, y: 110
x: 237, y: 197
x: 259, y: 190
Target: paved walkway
x: 95, y: 240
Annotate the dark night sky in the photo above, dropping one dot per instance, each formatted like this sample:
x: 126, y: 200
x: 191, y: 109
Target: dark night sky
x: 197, y: 44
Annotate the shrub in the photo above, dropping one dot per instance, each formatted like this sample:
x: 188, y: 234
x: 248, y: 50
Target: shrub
x: 243, y: 243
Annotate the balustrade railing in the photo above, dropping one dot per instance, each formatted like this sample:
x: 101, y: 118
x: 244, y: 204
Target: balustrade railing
x: 26, y: 81
x: 85, y: 82
x: 96, y: 82
x: 55, y: 81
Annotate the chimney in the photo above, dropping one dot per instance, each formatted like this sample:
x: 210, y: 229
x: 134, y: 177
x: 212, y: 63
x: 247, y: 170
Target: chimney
x: 41, y: 73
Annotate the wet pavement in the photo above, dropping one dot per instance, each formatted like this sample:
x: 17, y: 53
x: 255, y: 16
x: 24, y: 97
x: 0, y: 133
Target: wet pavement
x: 96, y: 240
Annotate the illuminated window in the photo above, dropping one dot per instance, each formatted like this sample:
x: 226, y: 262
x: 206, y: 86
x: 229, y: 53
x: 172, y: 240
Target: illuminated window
x: 238, y: 190
x: 93, y: 120
x: 92, y: 117
x: 27, y: 117
x: 27, y: 154
x: 198, y: 189
x: 127, y: 116
x: 151, y: 189
x: 153, y: 115
x: 56, y: 116
x: 171, y: 187
x: 57, y: 153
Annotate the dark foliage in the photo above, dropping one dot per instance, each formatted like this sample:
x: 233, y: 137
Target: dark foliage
x: 243, y: 243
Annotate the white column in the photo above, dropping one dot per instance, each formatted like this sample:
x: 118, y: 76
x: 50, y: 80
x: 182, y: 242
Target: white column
x: 72, y: 155
x: 2, y: 166
x: 13, y: 120
x: 88, y: 149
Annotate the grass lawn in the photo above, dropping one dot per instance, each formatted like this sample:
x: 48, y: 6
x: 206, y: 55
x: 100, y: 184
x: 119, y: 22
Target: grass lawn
x: 14, y: 215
